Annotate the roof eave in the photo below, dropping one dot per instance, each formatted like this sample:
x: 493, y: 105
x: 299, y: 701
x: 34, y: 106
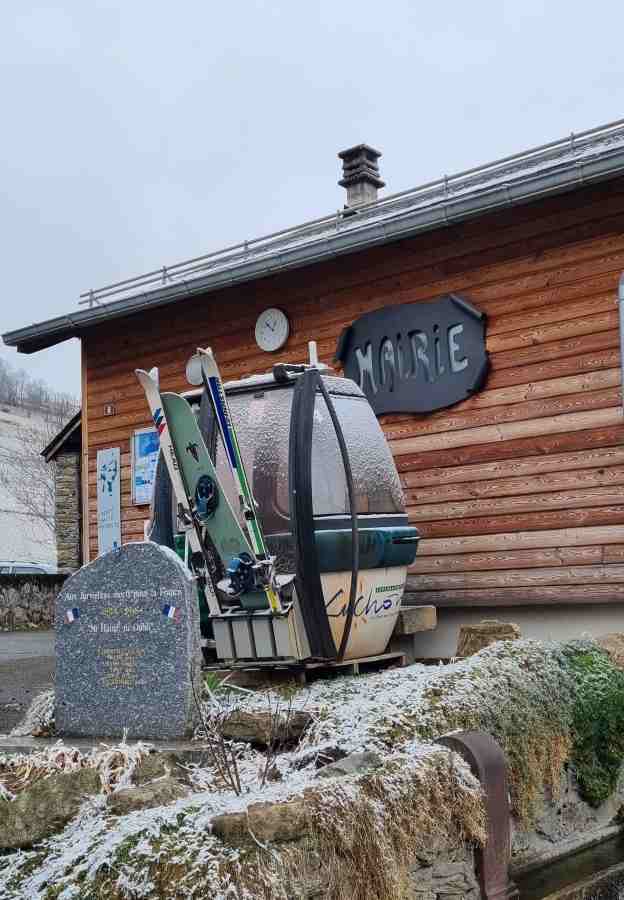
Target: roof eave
x: 535, y: 186
x: 57, y: 443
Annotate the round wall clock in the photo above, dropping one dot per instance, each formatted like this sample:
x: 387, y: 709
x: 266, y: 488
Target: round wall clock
x: 272, y: 330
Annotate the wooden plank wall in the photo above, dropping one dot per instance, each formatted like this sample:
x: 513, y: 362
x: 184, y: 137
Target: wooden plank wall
x: 519, y: 491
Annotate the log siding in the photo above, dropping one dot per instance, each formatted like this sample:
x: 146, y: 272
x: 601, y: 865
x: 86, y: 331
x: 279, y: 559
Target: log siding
x: 519, y: 490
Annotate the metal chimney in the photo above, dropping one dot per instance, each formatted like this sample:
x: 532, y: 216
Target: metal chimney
x: 360, y: 174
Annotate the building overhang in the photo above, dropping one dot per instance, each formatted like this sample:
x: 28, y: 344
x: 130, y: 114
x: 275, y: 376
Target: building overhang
x: 562, y: 166
x: 68, y: 438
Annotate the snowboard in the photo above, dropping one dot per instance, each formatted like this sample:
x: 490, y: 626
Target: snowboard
x: 206, y: 498
x: 149, y: 383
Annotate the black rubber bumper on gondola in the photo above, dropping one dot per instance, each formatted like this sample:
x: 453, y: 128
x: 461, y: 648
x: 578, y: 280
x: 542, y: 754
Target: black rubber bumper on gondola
x: 308, y: 581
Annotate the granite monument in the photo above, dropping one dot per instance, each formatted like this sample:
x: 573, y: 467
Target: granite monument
x: 128, y: 646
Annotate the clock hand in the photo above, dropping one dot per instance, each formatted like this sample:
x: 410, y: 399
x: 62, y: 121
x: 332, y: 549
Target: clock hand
x: 270, y: 326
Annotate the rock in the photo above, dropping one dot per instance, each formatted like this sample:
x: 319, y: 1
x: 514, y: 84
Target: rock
x: 231, y: 828
x: 613, y: 645
x: 413, y: 619
x: 127, y: 646
x: 353, y: 764
x: 266, y: 821
x: 45, y: 807
x: 157, y: 793
x: 564, y: 816
x: 20, y: 616
x: 449, y: 869
x: 261, y: 729
x: 453, y: 879
x: 454, y: 883
x: 421, y: 876
x: 473, y: 638
x: 319, y: 758
x: 448, y: 873
x: 274, y: 774
x: 157, y: 765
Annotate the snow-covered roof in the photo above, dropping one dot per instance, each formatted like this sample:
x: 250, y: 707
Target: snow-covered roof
x: 562, y: 165
x: 68, y: 438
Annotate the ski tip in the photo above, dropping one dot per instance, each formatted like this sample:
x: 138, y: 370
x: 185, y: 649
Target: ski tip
x: 150, y: 377
x: 207, y: 362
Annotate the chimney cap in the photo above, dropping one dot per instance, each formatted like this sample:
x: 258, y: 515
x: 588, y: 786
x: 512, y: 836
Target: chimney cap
x: 357, y: 148
x: 359, y: 167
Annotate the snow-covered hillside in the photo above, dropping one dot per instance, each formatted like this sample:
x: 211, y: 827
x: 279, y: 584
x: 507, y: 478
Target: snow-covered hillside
x: 21, y: 535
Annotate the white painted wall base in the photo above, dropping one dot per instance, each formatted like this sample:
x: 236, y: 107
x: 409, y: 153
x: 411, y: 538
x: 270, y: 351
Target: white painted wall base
x: 541, y: 622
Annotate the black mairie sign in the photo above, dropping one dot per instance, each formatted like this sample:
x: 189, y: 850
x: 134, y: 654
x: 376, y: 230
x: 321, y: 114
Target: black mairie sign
x: 416, y: 357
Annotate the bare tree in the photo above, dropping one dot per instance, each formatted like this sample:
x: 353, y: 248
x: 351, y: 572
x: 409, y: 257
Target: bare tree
x: 17, y: 388
x: 27, y: 480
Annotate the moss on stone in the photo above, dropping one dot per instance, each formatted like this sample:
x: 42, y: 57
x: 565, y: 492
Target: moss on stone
x: 548, y: 704
x: 597, y: 724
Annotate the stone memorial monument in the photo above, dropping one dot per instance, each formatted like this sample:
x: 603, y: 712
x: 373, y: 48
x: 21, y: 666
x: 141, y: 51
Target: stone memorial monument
x: 128, y: 646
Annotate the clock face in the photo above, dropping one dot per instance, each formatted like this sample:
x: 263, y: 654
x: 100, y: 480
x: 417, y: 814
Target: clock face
x: 272, y: 329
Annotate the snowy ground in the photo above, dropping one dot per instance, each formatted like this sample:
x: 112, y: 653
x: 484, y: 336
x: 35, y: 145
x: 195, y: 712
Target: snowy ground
x: 398, y: 713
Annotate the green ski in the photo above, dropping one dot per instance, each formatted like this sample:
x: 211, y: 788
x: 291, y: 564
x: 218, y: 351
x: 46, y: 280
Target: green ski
x: 214, y: 386
x: 149, y: 383
x: 209, y: 505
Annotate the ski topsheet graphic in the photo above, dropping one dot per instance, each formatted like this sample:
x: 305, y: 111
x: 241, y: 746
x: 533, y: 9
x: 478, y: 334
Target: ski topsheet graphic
x: 210, y: 506
x: 199, y: 493
x: 149, y: 383
x: 213, y: 384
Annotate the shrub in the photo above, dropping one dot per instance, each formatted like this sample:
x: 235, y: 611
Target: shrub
x: 597, y: 724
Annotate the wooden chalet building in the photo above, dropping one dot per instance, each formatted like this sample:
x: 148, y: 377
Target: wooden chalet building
x: 518, y: 490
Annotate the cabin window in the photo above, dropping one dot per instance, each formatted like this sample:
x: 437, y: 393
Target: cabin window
x: 262, y: 421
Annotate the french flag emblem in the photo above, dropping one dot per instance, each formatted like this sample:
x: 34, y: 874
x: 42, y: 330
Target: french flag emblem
x: 159, y: 420
x: 171, y: 612
x: 72, y: 614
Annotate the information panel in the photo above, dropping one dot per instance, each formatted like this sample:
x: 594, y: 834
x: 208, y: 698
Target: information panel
x: 145, y: 446
x: 108, y: 499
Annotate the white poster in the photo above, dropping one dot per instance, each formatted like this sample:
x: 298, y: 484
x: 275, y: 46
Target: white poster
x: 144, y: 460
x: 108, y: 499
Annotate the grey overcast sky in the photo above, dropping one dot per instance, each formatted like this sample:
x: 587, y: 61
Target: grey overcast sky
x: 138, y: 133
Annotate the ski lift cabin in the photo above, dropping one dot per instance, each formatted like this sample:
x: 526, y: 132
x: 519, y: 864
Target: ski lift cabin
x: 311, y: 443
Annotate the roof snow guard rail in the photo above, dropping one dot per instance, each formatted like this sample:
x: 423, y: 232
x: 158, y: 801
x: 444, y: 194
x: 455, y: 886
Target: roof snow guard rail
x: 578, y: 148
x: 579, y: 159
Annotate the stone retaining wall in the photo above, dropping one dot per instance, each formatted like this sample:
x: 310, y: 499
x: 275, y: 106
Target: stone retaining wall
x: 565, y: 824
x: 449, y: 875
x: 446, y: 873
x: 28, y: 600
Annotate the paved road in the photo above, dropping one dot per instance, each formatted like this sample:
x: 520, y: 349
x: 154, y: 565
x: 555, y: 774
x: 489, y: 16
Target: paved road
x: 26, y: 668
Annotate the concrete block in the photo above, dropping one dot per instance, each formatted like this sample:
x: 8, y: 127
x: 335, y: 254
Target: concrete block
x: 413, y: 619
x: 473, y: 638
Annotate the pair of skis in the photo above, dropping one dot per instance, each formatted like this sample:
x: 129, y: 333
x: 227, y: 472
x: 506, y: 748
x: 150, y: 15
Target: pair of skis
x: 199, y: 495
